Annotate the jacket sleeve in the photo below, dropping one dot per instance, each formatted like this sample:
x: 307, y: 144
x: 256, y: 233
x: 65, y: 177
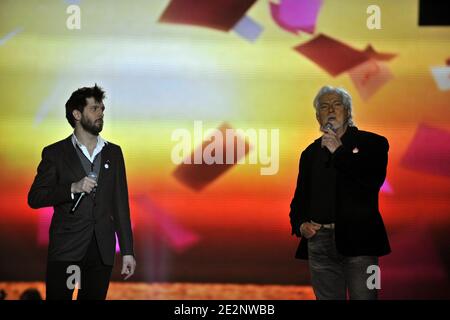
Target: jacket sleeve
x: 46, y: 191
x: 298, y: 213
x: 368, y: 166
x: 122, y: 209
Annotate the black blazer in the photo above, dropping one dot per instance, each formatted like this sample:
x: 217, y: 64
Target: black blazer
x: 361, y: 169
x: 70, y: 234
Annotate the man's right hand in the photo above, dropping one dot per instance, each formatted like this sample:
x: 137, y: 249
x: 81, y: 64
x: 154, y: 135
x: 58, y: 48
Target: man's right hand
x: 84, y: 185
x: 309, y: 229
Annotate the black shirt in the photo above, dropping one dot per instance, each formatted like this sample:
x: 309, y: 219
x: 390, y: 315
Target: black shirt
x: 323, y: 183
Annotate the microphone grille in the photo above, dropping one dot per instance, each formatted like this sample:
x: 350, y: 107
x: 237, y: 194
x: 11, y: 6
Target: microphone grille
x: 92, y: 175
x: 329, y: 126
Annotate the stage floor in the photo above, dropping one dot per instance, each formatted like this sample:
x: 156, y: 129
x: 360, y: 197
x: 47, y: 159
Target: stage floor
x: 181, y: 291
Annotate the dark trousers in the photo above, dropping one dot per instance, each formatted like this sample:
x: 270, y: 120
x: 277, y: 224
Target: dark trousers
x: 94, y: 276
x: 334, y: 275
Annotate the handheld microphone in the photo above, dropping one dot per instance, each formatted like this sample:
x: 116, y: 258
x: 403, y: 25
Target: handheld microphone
x: 91, y: 175
x: 326, y: 127
x: 329, y: 126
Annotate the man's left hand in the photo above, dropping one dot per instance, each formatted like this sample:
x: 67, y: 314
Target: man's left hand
x: 331, y: 140
x: 128, y: 266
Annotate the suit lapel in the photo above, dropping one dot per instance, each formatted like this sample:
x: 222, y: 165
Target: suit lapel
x: 72, y: 159
x: 105, y: 160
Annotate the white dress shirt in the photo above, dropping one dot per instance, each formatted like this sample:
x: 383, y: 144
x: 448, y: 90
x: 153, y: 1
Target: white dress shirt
x: 98, y: 148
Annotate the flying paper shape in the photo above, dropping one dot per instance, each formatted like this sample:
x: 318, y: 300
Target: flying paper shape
x: 178, y: 237
x: 335, y: 57
x: 248, y: 29
x: 275, y: 12
x: 198, y: 176
x: 429, y: 151
x: 296, y: 15
x: 370, y: 52
x: 369, y: 77
x: 441, y: 75
x: 218, y: 14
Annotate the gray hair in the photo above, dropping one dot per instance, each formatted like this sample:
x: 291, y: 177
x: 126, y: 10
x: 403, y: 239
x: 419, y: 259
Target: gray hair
x: 345, y: 96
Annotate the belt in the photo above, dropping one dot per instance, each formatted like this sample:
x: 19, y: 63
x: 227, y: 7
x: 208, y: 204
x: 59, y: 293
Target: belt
x: 325, y: 225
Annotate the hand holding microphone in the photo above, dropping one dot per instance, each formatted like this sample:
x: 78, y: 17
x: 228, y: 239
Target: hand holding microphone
x: 330, y: 139
x: 85, y: 185
x: 328, y: 126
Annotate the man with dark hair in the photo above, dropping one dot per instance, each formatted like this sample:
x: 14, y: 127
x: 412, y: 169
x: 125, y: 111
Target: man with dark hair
x: 77, y: 101
x: 88, y: 211
x: 335, y: 205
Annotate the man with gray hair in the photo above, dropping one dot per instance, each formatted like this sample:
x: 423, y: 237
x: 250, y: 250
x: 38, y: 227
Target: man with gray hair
x: 335, y: 205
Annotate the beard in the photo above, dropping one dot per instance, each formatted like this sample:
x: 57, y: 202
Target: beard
x: 336, y: 123
x: 93, y: 127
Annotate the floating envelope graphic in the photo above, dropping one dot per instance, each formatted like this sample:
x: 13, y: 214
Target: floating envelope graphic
x: 275, y: 12
x: 177, y: 236
x: 296, y: 15
x: 429, y: 151
x: 218, y: 14
x: 248, y: 29
x: 198, y: 176
x: 369, y: 77
x: 336, y: 57
x: 441, y: 75
x: 371, y: 53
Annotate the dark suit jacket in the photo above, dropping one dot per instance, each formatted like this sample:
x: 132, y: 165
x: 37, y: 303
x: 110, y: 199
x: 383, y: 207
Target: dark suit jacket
x: 70, y: 234
x: 359, y: 228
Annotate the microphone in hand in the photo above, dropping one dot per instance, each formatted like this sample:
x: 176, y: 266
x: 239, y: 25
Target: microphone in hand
x: 92, y: 175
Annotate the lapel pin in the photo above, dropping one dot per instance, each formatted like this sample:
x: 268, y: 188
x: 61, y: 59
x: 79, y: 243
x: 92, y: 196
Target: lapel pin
x: 355, y: 150
x: 107, y: 164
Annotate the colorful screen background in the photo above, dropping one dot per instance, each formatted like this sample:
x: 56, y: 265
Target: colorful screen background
x: 160, y: 77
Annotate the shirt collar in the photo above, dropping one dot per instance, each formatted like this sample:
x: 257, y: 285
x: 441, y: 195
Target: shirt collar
x: 100, y: 141
x: 98, y: 148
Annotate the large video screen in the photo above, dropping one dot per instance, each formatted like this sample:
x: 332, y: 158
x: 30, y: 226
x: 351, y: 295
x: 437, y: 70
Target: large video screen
x: 179, y: 76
